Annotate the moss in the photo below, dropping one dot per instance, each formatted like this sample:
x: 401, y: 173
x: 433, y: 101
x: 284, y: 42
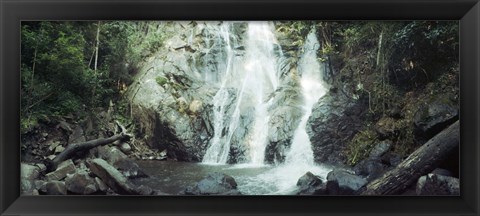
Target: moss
x: 161, y: 80
x: 360, y: 146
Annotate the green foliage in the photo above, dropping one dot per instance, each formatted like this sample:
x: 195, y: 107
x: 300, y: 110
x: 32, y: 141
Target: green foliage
x: 58, y: 61
x: 360, y: 146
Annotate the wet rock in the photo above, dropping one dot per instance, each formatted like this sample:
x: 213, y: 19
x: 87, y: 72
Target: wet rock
x: 55, y: 188
x: 214, y: 184
x: 285, y: 115
x: 333, y: 123
x: 432, y: 118
x: 64, y: 168
x: 347, y: 183
x: 433, y: 184
x: 80, y: 183
x: 310, y: 184
x: 77, y: 136
x: 111, y: 176
x: 28, y: 174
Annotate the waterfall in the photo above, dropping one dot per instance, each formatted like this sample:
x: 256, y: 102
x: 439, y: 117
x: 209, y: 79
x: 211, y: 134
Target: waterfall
x: 254, y: 75
x: 313, y: 88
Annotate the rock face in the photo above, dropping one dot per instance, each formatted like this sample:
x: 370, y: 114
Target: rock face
x: 434, y: 117
x: 334, y: 121
x: 214, y: 184
x: 434, y: 184
x: 172, y: 93
x: 286, y: 113
x: 111, y: 176
x: 340, y: 182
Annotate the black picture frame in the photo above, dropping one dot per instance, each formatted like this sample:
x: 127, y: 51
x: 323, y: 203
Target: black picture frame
x: 14, y: 11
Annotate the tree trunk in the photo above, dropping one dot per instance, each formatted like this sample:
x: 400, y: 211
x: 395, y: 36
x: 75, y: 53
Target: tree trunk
x: 85, y: 146
x: 420, y: 162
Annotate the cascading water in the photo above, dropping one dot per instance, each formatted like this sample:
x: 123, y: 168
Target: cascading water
x: 313, y: 88
x: 254, y: 76
x: 247, y: 81
x: 299, y: 158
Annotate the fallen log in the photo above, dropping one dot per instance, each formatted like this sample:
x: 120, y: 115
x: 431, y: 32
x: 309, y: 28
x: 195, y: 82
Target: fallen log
x: 420, y: 162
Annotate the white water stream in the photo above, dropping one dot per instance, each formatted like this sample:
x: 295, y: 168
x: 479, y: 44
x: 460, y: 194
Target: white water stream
x: 254, y: 76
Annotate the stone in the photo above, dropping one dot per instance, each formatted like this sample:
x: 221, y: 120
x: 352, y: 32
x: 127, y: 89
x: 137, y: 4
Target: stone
x: 214, y: 184
x: 433, y: 117
x: 335, y: 119
x: 64, y: 168
x: 100, y: 185
x: 53, y: 145
x: 59, y: 149
x: 380, y: 149
x: 28, y: 175
x: 371, y: 168
x: 121, y: 162
x: 434, y: 184
x: 41, y: 166
x: 55, y: 188
x: 348, y: 183
x: 310, y: 184
x: 125, y: 148
x: 80, y: 183
x: 110, y: 176
x: 195, y: 106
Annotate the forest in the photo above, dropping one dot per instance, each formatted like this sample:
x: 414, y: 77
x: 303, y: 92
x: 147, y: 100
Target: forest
x: 240, y: 108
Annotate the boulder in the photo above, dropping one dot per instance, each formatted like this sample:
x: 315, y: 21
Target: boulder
x: 120, y: 161
x: 111, y: 176
x: 80, y: 183
x: 55, y: 188
x: 380, y: 149
x: 434, y: 184
x: 334, y: 121
x: 214, y: 184
x: 433, y: 117
x: 371, y: 168
x: 125, y: 148
x: 64, y: 168
x: 310, y: 184
x: 347, y: 183
x: 100, y: 185
x: 28, y: 175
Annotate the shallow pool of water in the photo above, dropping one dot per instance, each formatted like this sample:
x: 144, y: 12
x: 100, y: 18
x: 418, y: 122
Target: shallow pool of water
x: 173, y: 177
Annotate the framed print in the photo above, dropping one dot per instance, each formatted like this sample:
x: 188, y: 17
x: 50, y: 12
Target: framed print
x: 239, y: 107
